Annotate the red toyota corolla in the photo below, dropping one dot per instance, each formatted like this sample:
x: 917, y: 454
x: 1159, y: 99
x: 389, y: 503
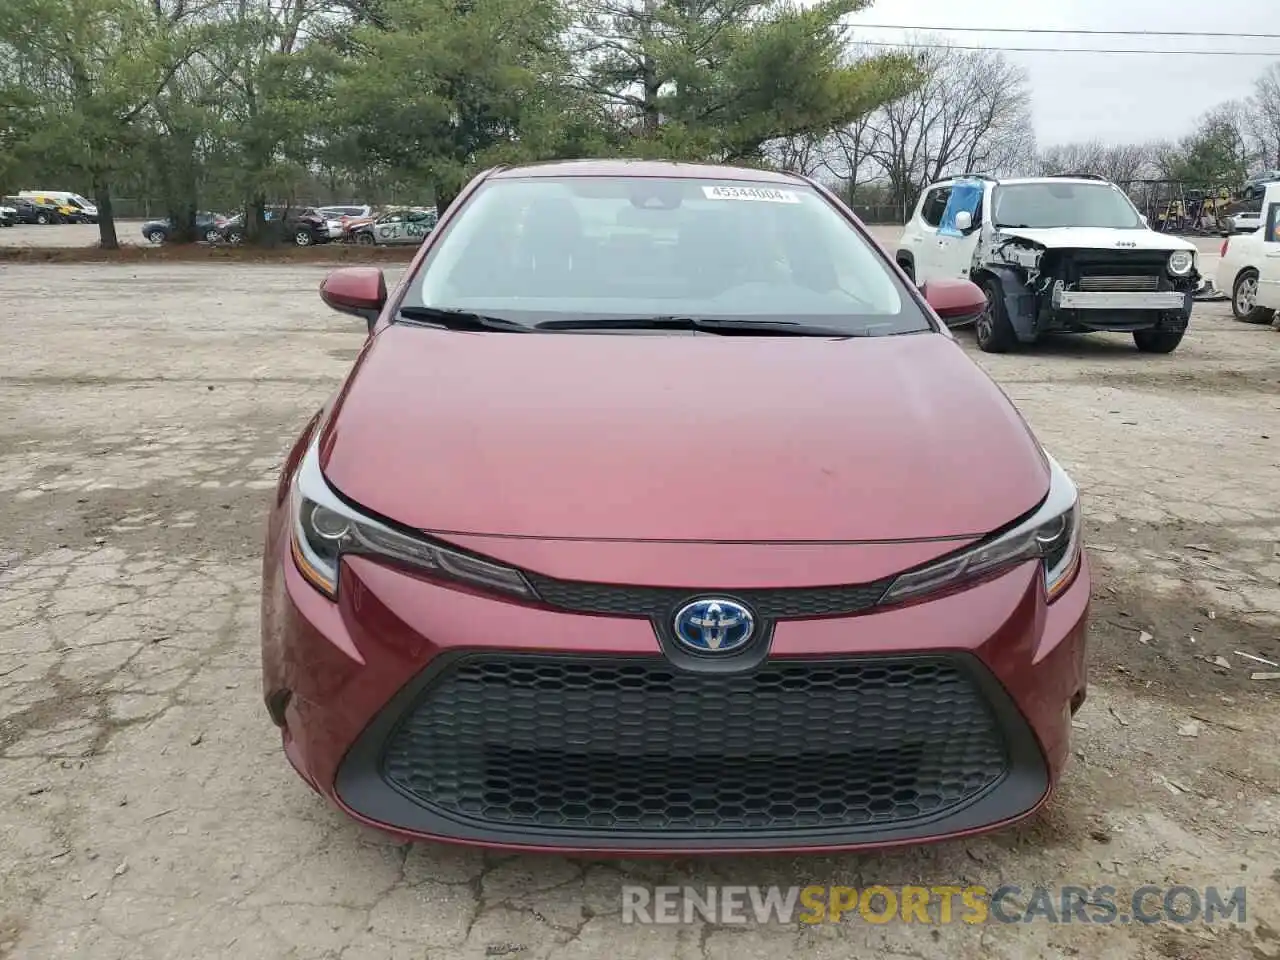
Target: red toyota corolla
x: 660, y: 513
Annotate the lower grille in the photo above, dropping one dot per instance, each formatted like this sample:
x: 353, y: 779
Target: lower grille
x: 592, y: 745
x: 1107, y: 284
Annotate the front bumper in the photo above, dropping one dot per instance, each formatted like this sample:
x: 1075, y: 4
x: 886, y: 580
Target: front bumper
x: 1165, y: 301
x: 436, y: 713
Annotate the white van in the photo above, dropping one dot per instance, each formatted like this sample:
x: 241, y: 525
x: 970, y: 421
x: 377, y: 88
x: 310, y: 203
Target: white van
x: 64, y: 197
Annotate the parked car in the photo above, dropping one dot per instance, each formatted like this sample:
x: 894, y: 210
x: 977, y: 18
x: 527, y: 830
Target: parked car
x: 338, y: 218
x: 82, y: 210
x: 35, y: 211
x: 1256, y: 185
x: 1053, y: 255
x: 395, y: 227
x: 302, y: 226
x: 505, y: 603
x: 66, y: 211
x: 232, y: 231
x: 1243, y: 221
x: 208, y: 227
x: 1250, y: 265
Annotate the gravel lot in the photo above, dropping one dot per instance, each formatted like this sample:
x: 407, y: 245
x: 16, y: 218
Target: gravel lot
x: 129, y: 232
x: 146, y: 810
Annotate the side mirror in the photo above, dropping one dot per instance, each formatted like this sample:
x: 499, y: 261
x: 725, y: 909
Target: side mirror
x: 1143, y: 218
x: 955, y: 301
x: 964, y: 221
x: 359, y: 291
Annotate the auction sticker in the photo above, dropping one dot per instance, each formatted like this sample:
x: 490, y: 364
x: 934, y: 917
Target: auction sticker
x: 762, y: 194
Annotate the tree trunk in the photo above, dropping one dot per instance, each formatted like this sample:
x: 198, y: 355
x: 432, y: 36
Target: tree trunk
x: 179, y: 180
x: 444, y: 197
x: 650, y: 119
x: 107, y: 238
x: 256, y: 230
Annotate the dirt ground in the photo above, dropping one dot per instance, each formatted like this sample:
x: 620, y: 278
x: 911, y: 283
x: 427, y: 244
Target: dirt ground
x: 147, y: 811
x: 129, y: 232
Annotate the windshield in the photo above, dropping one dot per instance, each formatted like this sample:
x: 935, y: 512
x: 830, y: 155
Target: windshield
x: 544, y: 249
x: 79, y: 201
x: 1047, y: 205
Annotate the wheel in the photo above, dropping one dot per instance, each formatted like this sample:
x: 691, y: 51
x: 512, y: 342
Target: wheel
x: 43, y: 218
x: 212, y: 236
x: 234, y: 237
x: 993, y: 329
x: 1158, y: 341
x: 156, y: 236
x: 1244, y: 298
x: 303, y: 238
x: 364, y: 239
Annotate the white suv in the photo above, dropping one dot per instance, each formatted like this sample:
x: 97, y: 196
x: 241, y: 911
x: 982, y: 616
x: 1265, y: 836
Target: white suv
x: 1054, y: 255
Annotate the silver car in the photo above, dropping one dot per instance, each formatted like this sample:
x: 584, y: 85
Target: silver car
x: 396, y: 227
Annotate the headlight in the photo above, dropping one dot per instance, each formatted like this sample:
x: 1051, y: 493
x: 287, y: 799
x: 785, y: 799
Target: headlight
x: 1050, y: 535
x: 324, y: 529
x: 1181, y: 262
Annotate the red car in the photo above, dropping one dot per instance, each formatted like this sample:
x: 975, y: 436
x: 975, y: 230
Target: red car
x: 659, y: 514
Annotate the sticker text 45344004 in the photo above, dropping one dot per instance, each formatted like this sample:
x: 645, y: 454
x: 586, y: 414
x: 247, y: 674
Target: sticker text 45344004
x: 759, y: 194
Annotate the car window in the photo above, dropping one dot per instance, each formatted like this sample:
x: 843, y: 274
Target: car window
x: 935, y: 204
x: 542, y: 248
x: 1272, y: 234
x: 1048, y: 205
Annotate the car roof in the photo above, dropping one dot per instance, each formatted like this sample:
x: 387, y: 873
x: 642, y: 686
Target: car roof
x: 642, y: 168
x: 1004, y: 182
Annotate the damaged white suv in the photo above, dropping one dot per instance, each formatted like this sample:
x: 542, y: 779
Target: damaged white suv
x: 1054, y: 255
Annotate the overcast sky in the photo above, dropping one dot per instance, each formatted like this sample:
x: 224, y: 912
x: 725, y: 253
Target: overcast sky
x: 1113, y: 97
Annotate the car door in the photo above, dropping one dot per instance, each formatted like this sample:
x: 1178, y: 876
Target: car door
x: 1269, y: 269
x: 416, y: 226
x: 921, y: 240
x: 956, y: 247
x: 389, y: 229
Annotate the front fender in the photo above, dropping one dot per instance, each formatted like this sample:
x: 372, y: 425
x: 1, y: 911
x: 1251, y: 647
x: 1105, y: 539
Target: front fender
x: 1019, y: 299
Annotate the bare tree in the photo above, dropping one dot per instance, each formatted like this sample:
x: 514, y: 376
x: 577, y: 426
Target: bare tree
x: 1121, y: 163
x: 846, y: 155
x: 1264, y: 117
x: 970, y: 114
x: 804, y: 155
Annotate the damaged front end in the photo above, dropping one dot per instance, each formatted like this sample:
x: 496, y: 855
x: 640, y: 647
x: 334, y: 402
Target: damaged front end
x: 1081, y: 290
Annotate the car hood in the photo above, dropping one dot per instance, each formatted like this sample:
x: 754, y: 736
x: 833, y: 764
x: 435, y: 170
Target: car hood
x: 1099, y: 238
x: 671, y: 437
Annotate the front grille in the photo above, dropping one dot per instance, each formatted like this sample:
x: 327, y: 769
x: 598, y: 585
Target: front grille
x: 776, y: 604
x: 591, y: 745
x: 1108, y: 284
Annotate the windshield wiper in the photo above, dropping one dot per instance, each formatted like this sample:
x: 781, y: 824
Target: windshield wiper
x: 701, y: 324
x: 461, y: 319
